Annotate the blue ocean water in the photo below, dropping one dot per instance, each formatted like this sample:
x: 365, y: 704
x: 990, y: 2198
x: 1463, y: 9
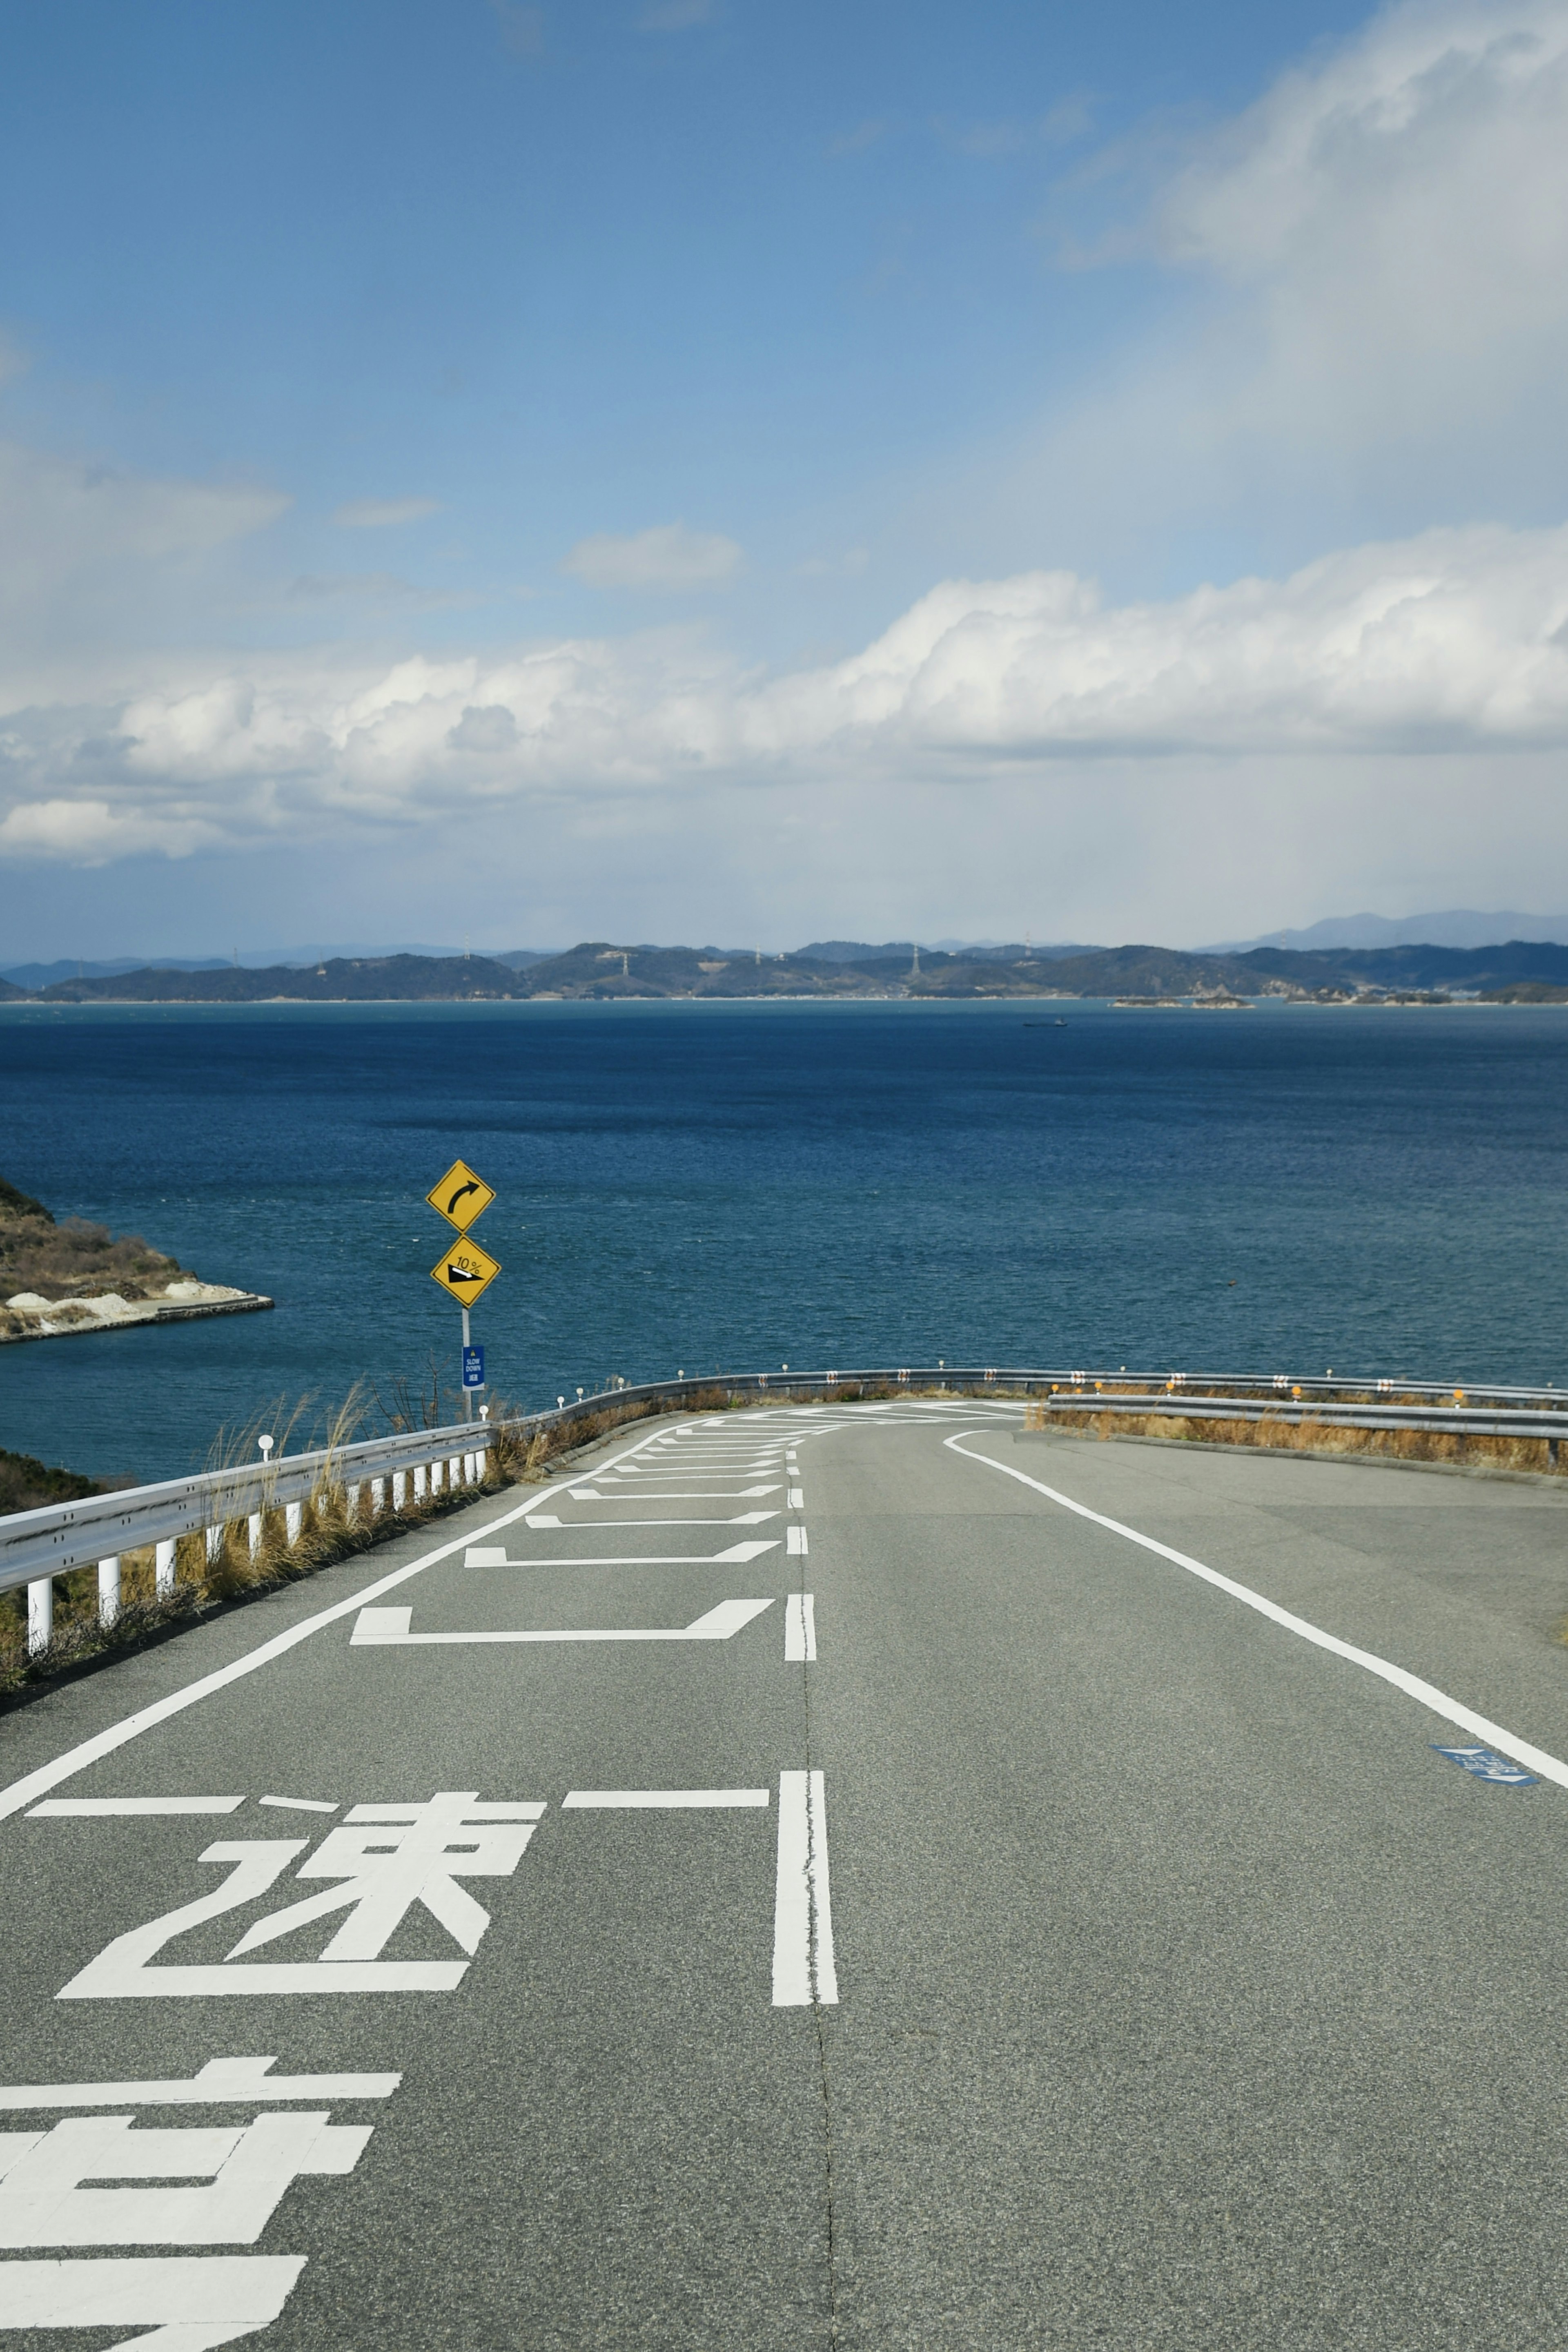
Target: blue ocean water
x: 741, y: 1186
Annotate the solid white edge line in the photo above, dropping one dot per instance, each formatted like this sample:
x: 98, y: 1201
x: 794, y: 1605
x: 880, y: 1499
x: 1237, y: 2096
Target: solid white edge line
x: 633, y: 1800
x: 22, y: 1792
x: 1438, y: 1701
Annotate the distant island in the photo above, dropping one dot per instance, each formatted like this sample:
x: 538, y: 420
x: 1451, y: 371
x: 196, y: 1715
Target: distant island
x: 58, y: 1279
x: 1521, y: 972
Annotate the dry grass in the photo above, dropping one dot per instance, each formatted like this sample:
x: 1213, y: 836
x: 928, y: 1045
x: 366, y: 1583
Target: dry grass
x: 331, y: 1528
x: 76, y: 1259
x: 1310, y: 1435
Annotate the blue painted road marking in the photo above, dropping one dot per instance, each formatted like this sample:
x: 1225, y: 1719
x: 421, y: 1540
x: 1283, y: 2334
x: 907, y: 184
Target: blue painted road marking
x: 1487, y: 1765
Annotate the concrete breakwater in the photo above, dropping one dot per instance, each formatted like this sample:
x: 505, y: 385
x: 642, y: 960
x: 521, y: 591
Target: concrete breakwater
x: 57, y: 1279
x: 28, y: 1315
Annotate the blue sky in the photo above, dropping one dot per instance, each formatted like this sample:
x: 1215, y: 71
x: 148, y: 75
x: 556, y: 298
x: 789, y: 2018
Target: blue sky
x: 739, y: 471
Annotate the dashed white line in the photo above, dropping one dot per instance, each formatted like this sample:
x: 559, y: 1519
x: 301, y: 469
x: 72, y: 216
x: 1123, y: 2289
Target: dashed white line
x: 799, y: 1629
x: 803, y: 1966
x: 795, y: 1543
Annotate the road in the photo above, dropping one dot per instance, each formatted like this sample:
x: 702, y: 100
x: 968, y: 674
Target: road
x: 873, y: 1878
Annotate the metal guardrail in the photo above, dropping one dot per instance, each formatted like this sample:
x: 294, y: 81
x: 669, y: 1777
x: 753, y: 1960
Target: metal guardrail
x: 38, y: 1546
x: 63, y: 1536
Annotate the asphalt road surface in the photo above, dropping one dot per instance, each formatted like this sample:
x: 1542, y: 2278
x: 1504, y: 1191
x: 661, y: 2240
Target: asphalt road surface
x: 869, y: 1876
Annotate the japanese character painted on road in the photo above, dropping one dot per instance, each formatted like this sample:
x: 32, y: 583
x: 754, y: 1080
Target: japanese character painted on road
x: 390, y: 1859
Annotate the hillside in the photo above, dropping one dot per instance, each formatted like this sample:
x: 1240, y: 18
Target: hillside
x: 601, y: 970
x: 57, y: 1277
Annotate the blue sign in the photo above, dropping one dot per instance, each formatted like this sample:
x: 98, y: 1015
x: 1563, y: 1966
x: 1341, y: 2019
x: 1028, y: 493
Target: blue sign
x: 1487, y: 1765
x: 473, y: 1368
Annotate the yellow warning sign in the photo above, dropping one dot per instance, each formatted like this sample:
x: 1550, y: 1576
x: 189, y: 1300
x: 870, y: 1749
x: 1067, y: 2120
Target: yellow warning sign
x: 465, y: 1271
x: 461, y: 1196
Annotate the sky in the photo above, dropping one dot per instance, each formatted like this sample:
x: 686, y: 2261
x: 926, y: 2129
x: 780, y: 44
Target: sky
x: 717, y: 471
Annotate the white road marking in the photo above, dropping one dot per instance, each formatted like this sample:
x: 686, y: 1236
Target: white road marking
x: 796, y: 1499
x: 85, y: 1809
x: 194, y: 2300
x: 737, y: 1519
x: 21, y: 1793
x: 50, y: 2196
x: 222, y: 2081
x: 389, y: 1859
x: 803, y: 1965
x: 659, y: 1800
x: 799, y: 1629
x: 695, y: 1494
x: 741, y: 1553
x: 298, y: 1804
x: 795, y: 1542
x: 1438, y: 1701
x: 388, y: 1629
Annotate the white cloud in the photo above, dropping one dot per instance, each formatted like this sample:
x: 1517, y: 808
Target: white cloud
x: 384, y: 514
x: 1363, y: 322
x: 1454, y: 644
x: 1400, y: 213
x: 94, y: 832
x: 89, y: 552
x: 665, y: 557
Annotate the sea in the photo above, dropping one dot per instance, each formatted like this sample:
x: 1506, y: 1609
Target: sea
x: 698, y: 1187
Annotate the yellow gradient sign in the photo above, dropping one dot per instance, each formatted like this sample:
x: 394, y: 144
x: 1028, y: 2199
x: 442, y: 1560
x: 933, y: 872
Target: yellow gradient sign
x: 465, y: 1271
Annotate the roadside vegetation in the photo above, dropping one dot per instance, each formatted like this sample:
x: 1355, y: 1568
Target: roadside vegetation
x: 334, y: 1523
x: 1273, y: 1434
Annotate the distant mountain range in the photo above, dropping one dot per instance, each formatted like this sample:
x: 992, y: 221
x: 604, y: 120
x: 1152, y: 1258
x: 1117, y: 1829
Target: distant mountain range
x: 600, y: 970
x: 1457, y: 926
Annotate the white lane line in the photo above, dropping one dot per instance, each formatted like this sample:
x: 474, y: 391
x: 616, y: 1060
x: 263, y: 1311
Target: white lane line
x: 483, y: 1555
x: 796, y: 1499
x: 21, y: 1793
x: 298, y: 1804
x: 803, y: 1966
x: 222, y: 2081
x: 604, y: 1800
x: 795, y: 1542
x: 388, y: 1629
x: 1451, y: 1710
x: 737, y: 1519
x: 87, y: 1808
x: 799, y: 1629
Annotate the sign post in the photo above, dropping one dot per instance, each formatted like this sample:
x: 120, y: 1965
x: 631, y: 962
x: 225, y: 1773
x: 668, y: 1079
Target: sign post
x: 465, y: 1271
